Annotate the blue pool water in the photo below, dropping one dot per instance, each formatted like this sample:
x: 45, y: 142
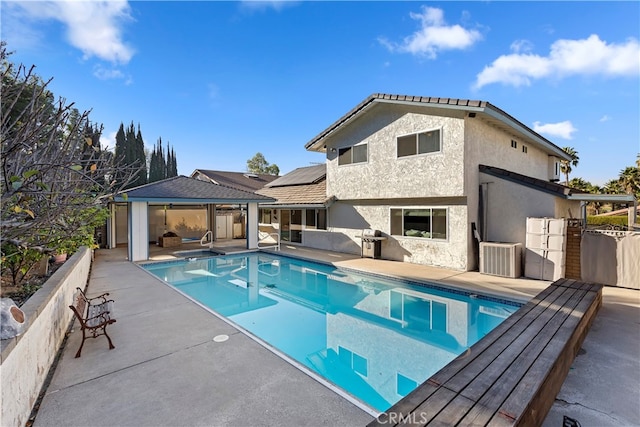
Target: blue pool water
x: 375, y: 338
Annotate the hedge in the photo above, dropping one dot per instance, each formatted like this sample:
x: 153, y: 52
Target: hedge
x: 607, y: 220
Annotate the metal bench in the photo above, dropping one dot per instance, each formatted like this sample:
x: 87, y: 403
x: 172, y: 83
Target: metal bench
x: 512, y: 376
x: 94, y: 314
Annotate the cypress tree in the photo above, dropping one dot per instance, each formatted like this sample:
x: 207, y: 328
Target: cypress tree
x: 157, y: 164
x: 121, y: 149
x: 141, y: 157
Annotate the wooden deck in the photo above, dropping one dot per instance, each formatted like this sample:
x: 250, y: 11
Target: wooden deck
x: 511, y: 376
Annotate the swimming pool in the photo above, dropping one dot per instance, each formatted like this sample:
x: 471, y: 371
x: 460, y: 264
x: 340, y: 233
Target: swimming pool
x: 376, y: 338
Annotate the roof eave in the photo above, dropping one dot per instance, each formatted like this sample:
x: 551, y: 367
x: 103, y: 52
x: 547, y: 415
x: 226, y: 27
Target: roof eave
x: 509, y: 121
x: 615, y: 198
x: 165, y: 200
x: 293, y: 205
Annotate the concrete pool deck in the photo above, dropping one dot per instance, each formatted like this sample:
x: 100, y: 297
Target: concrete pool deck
x: 167, y: 370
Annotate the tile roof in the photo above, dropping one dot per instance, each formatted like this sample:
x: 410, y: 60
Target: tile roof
x: 484, y: 109
x: 535, y: 183
x: 300, y: 176
x: 241, y: 180
x: 186, y: 189
x: 308, y: 194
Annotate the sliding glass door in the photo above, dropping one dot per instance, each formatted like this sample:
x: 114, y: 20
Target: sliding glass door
x: 291, y: 225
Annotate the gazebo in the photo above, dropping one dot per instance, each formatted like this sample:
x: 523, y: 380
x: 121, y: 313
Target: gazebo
x: 179, y: 191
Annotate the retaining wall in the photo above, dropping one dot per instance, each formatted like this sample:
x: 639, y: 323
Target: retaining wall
x: 26, y: 359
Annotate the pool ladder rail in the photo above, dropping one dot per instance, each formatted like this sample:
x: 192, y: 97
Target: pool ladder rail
x: 207, y: 239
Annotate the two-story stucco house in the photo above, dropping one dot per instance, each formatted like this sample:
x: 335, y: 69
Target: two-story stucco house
x: 435, y: 175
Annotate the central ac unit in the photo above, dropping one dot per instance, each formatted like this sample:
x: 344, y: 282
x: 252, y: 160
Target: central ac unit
x: 501, y: 259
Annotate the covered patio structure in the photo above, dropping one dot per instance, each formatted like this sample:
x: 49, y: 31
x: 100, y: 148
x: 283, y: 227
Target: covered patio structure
x: 205, y: 210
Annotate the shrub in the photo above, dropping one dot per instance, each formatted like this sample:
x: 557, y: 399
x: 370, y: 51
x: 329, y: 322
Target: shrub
x: 616, y: 221
x: 17, y: 261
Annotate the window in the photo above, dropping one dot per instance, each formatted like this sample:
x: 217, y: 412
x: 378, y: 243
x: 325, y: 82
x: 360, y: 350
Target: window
x: 354, y: 361
x: 430, y: 223
x: 311, y: 219
x: 416, y: 313
x: 404, y: 384
x: 264, y: 216
x: 316, y: 219
x: 355, y: 154
x: 322, y: 219
x: 524, y: 149
x: 419, y: 143
x: 514, y: 144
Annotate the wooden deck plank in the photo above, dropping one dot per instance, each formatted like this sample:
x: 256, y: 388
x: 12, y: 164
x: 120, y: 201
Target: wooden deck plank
x: 506, y: 381
x: 492, y: 360
x: 408, y: 404
x: 450, y: 414
x: 553, y: 365
x: 511, y: 326
x: 440, y: 399
x: 512, y: 375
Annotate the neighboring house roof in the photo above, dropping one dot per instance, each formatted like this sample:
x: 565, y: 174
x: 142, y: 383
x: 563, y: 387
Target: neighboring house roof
x: 535, y: 183
x: 182, y: 189
x: 246, y: 181
x: 481, y: 109
x: 303, y: 186
x: 300, y: 176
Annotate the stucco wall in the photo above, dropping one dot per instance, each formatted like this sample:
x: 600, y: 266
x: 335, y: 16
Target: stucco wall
x: 386, y: 176
x: 386, y: 180
x: 26, y: 359
x: 490, y: 146
x: 487, y: 145
x: 347, y: 220
x: 509, y: 205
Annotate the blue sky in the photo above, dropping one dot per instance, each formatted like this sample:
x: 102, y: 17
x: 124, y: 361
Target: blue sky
x: 221, y: 81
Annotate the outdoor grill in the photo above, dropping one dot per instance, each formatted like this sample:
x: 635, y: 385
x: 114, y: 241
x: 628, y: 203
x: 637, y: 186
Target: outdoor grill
x: 371, y: 243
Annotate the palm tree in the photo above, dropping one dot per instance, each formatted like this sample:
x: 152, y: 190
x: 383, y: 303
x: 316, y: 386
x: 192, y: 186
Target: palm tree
x: 629, y: 180
x: 565, y: 165
x: 581, y: 184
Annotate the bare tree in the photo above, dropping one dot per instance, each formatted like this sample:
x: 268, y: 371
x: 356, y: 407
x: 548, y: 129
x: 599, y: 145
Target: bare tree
x: 53, y: 170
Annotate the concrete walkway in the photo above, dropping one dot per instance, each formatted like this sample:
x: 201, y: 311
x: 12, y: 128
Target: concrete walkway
x: 167, y: 370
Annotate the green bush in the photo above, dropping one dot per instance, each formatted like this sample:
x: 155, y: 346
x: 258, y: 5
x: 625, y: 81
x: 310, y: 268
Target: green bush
x: 607, y: 220
x: 16, y: 261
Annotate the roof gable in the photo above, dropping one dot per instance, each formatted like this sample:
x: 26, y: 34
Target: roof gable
x: 475, y: 108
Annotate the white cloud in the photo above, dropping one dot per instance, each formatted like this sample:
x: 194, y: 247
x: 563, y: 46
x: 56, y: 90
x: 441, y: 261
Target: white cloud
x: 267, y: 4
x: 519, y: 46
x: 94, y: 27
x: 562, y: 130
x: 604, y: 118
x: 590, y: 56
x: 107, y: 74
x: 433, y: 36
